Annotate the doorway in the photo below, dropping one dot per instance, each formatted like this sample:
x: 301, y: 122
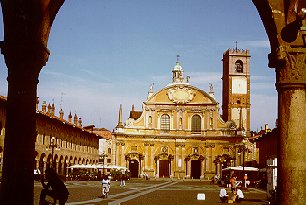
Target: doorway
x: 163, y: 168
x: 195, y: 169
x: 134, y: 167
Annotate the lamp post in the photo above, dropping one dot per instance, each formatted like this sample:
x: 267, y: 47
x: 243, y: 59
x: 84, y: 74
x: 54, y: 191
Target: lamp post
x: 242, y: 148
x: 53, y: 145
x: 103, y: 155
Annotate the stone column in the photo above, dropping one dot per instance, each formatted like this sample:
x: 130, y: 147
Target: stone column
x: 146, y: 157
x: 123, y: 162
x: 26, y: 32
x: 117, y: 153
x: 171, y: 170
x: 114, y: 151
x: 285, y: 25
x: 189, y: 168
x: 290, y: 84
x: 152, y: 156
x: 19, y: 143
x: 157, y: 168
x: 202, y: 160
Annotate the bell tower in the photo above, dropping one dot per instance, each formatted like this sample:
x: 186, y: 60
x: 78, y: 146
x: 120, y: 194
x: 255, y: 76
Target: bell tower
x: 236, y: 88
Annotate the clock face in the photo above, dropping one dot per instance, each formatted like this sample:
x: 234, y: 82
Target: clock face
x: 239, y: 85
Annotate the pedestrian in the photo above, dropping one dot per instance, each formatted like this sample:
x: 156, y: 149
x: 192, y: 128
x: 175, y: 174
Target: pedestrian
x: 232, y: 181
x: 212, y: 180
x: 240, y: 196
x: 123, y: 177
x: 245, y: 178
x: 58, y: 189
x: 105, y: 186
x: 223, y: 195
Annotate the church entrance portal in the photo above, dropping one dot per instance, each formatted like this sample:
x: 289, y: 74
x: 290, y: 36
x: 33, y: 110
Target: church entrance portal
x: 134, y: 167
x: 163, y: 168
x: 195, y: 169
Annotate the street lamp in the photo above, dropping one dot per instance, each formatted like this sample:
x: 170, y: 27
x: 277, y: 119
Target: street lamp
x: 242, y: 148
x: 103, y: 155
x: 53, y: 145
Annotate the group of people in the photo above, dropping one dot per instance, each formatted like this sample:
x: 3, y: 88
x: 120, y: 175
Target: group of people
x: 237, y: 194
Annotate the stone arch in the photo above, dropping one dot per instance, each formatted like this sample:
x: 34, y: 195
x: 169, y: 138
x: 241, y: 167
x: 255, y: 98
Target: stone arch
x: 55, y: 162
x: 239, y: 66
x: 49, y: 161
x: 60, y: 165
x: 41, y: 163
x: 75, y: 160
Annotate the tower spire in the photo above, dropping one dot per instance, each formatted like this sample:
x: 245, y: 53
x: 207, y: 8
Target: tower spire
x: 120, y: 118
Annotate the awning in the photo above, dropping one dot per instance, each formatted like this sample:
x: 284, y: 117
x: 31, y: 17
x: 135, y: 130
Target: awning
x: 240, y: 168
x: 95, y: 166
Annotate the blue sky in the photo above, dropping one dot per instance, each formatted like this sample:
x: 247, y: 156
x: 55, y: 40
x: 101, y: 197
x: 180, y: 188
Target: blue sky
x: 107, y: 52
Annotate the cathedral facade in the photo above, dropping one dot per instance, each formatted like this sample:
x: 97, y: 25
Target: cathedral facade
x: 180, y: 133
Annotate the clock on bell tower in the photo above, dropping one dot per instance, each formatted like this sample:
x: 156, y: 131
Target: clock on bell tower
x: 236, y: 87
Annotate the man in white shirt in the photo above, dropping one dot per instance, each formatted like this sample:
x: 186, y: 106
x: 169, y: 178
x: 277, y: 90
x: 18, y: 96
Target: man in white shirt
x: 223, y: 195
x: 240, y: 196
x: 105, y: 186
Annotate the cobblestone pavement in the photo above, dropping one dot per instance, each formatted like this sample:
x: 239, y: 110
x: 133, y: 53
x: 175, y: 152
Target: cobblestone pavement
x: 149, y: 192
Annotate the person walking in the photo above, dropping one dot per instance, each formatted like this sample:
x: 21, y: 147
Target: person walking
x: 232, y: 181
x: 123, y: 177
x: 105, y: 186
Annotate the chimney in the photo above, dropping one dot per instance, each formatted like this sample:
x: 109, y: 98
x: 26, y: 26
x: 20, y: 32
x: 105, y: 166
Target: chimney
x: 44, y: 106
x: 80, y: 122
x: 49, y: 109
x: 75, y: 119
x: 52, y: 109
x: 61, y: 113
x: 70, y: 118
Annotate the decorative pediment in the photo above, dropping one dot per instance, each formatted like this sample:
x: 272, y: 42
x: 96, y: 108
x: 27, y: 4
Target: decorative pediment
x: 180, y: 95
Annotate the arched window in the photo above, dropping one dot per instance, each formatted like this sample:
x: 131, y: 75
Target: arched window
x: 165, y: 122
x: 196, y: 123
x: 109, y: 150
x: 239, y: 66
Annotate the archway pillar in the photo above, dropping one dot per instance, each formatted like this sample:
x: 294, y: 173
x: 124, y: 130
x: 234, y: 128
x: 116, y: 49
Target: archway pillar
x: 290, y: 84
x: 26, y: 33
x: 157, y: 168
